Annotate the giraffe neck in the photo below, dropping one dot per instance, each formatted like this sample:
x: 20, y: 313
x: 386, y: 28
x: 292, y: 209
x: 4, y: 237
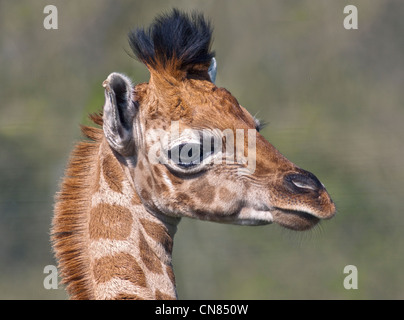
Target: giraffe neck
x: 115, y: 249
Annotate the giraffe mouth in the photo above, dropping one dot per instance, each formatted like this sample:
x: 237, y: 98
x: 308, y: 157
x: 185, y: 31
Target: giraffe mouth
x: 294, y: 219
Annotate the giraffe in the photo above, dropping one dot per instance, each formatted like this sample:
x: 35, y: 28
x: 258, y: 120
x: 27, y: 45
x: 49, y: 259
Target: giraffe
x: 118, y: 207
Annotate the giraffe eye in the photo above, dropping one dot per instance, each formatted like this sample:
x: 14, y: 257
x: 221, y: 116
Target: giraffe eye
x: 188, y: 155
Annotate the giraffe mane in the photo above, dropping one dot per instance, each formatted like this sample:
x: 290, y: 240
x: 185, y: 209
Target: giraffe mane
x: 68, y: 232
x: 176, y: 43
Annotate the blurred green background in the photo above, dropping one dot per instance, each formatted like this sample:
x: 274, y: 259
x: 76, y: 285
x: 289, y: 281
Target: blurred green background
x: 334, y: 101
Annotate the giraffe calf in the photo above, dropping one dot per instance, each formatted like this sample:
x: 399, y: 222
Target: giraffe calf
x: 177, y: 146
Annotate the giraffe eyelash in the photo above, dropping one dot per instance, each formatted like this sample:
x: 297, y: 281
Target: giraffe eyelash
x: 259, y: 124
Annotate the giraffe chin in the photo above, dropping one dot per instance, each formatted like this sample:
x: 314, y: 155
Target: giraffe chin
x: 294, y: 219
x: 252, y: 217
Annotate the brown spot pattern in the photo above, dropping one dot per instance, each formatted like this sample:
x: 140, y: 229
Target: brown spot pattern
x: 145, y: 195
x: 203, y: 191
x: 147, y: 255
x: 163, y: 296
x: 113, y: 174
x: 161, y: 187
x: 156, y: 171
x: 136, y: 199
x: 110, y: 222
x: 128, y: 296
x: 225, y: 194
x: 149, y: 181
x: 170, y: 273
x: 140, y: 165
x: 174, y: 179
x: 122, y: 266
x: 159, y: 233
x: 183, y: 198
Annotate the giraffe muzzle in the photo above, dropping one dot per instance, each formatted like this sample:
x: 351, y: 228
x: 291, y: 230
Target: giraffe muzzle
x: 302, y: 201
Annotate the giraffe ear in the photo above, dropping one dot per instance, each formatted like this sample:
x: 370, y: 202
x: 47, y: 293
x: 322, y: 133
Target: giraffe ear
x: 212, y: 70
x: 119, y: 113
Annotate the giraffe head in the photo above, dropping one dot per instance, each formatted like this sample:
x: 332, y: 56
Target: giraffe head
x: 189, y: 147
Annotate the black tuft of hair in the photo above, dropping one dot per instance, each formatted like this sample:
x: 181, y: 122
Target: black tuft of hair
x: 175, y: 37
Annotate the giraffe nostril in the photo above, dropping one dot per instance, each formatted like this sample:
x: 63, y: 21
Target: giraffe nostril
x: 301, y: 185
x: 304, y: 181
